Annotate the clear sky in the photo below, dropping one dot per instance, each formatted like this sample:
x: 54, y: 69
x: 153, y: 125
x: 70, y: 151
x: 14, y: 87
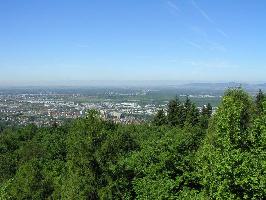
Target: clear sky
x: 207, y: 40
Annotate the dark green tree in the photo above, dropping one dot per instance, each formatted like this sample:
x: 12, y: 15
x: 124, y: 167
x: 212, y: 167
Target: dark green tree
x: 206, y: 112
x: 192, y: 115
x: 160, y: 118
x: 172, y: 111
x: 260, y: 97
x: 176, y: 113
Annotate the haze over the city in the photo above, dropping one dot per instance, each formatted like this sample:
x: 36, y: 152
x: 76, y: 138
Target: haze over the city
x: 202, y: 40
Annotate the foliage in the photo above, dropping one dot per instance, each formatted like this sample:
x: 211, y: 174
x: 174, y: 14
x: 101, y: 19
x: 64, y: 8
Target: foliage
x: 160, y: 118
x: 260, y: 98
x: 185, y: 153
x: 232, y: 161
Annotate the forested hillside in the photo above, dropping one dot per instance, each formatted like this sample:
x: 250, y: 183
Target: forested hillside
x: 183, y: 153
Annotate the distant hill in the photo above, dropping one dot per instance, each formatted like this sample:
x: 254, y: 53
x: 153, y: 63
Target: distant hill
x: 163, y: 84
x: 223, y: 86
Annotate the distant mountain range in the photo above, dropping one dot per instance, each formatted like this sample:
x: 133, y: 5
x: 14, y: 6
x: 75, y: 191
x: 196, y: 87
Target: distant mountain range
x: 223, y: 86
x: 136, y: 84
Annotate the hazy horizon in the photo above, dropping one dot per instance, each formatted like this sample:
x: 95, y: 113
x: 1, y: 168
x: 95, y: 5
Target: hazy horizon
x: 115, y: 83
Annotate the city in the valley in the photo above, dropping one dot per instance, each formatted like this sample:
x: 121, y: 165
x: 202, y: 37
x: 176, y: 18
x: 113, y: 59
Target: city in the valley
x: 49, y: 105
x: 46, y: 106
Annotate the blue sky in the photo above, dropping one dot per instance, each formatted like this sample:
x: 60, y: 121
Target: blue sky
x: 205, y: 40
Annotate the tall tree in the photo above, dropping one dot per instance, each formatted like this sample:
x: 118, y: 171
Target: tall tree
x: 160, y: 118
x: 228, y: 159
x: 206, y: 112
x: 173, y: 112
x: 260, y: 97
x: 192, y: 115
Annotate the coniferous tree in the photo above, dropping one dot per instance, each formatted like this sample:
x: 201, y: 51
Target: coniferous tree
x: 187, y: 104
x: 191, y: 112
x: 160, y: 118
x: 260, y: 97
x: 176, y: 113
x: 209, y: 110
x: 172, y: 110
x: 206, y: 112
x: 192, y: 115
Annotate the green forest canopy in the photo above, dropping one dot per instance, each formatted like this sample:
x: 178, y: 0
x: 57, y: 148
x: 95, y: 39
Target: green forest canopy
x: 183, y: 154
